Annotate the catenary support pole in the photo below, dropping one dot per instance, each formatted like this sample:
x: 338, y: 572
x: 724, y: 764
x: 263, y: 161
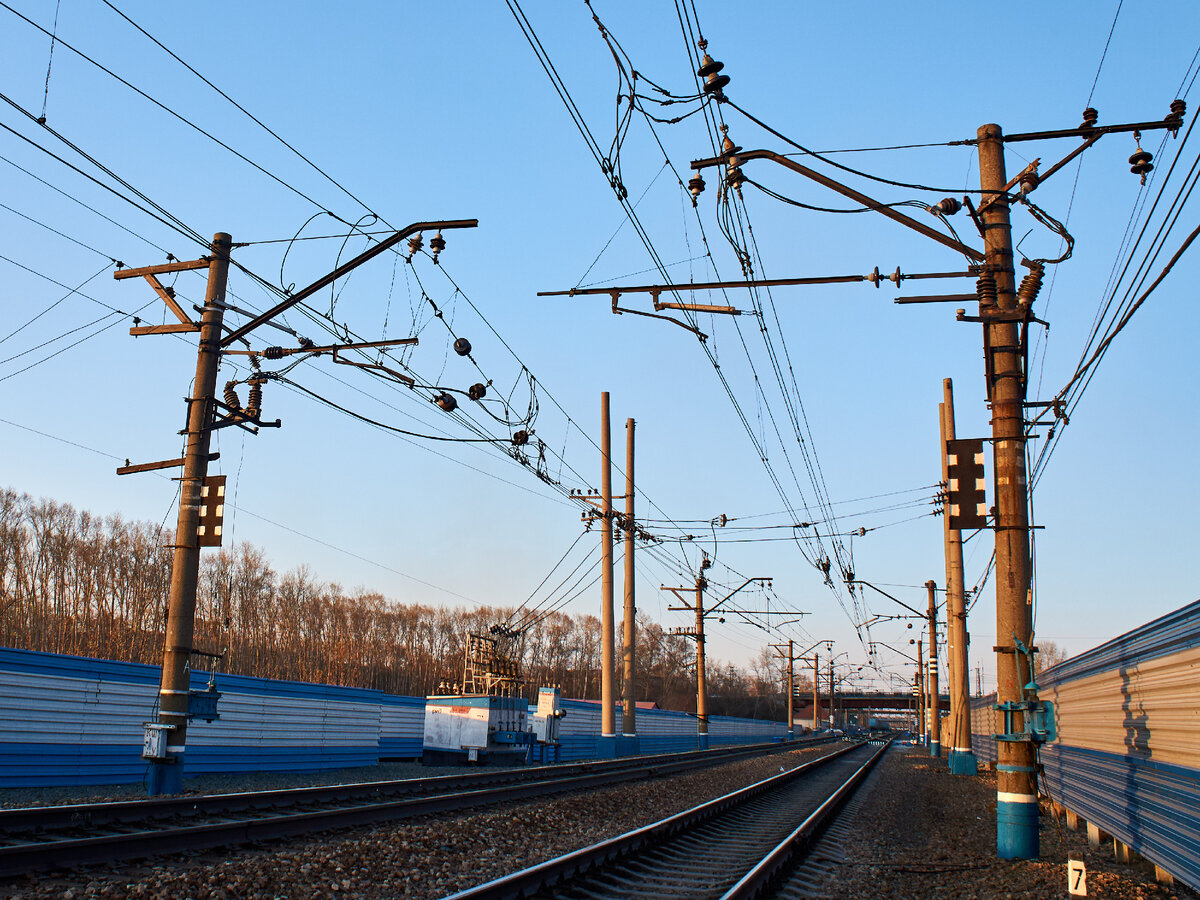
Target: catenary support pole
x: 1016, y: 785
x: 922, y: 717
x: 608, y: 714
x: 166, y: 776
x: 701, y: 681
x: 935, y: 711
x: 629, y: 633
x: 831, y: 689
x: 791, y: 687
x: 962, y: 757
x: 816, y: 692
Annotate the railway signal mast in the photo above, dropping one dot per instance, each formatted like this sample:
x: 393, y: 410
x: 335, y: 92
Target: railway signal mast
x: 166, y: 739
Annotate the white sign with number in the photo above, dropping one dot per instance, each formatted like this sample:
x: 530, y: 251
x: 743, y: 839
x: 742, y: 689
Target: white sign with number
x: 1076, y: 878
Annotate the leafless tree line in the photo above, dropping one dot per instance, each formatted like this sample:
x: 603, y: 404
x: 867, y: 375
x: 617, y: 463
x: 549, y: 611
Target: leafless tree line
x: 72, y: 582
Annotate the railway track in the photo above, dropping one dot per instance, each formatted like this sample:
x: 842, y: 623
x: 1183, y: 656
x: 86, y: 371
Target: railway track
x: 737, y: 846
x: 38, y: 838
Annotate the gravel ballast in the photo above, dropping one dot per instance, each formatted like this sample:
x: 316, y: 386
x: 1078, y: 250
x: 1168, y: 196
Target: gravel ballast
x: 919, y: 832
x: 924, y: 833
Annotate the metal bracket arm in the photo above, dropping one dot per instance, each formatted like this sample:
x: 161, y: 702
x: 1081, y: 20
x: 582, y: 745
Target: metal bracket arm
x: 341, y: 270
x: 845, y: 191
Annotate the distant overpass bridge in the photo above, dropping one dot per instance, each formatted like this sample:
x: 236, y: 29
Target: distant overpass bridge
x: 884, y: 700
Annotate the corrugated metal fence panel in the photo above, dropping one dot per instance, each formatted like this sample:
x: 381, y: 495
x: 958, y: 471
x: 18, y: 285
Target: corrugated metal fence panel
x: 1172, y: 633
x: 984, y: 727
x: 1150, y: 806
x: 659, y: 730
x: 1142, y: 708
x: 401, y: 726
x: 57, y: 729
x: 1127, y: 751
x: 74, y: 720
x: 284, y: 726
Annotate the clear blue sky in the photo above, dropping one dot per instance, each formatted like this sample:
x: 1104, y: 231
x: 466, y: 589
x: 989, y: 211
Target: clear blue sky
x: 424, y: 111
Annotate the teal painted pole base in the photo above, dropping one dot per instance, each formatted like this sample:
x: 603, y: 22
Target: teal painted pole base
x: 935, y: 749
x: 165, y: 777
x: 1017, y: 828
x: 963, y: 762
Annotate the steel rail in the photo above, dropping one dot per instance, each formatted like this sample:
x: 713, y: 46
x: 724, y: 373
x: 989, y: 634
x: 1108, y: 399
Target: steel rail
x: 785, y: 856
x: 133, y: 831
x: 553, y: 877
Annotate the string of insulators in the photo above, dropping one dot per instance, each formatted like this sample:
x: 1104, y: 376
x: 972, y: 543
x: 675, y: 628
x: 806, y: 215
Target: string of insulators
x: 231, y: 397
x: 254, y: 400
x: 414, y: 245
x: 1090, y: 118
x: 985, y: 289
x: 437, y: 244
x: 1031, y: 284
x: 1175, y: 119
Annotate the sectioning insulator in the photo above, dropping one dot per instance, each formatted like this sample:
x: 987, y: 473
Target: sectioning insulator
x: 477, y: 391
x: 231, y: 397
x: 273, y: 353
x: 1090, y: 118
x: 985, y: 289
x: 462, y: 346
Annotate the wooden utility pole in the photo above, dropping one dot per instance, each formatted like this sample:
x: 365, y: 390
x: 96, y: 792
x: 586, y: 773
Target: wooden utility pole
x: 629, y: 644
x: 1016, y: 784
x: 935, y: 712
x: 962, y: 758
x: 608, y: 699
x: 166, y: 774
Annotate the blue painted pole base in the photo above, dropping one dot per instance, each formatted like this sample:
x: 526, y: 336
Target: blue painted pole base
x: 629, y: 745
x: 606, y: 746
x: 1017, y: 829
x: 165, y: 777
x: 935, y: 749
x: 702, y: 742
x: 963, y: 762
